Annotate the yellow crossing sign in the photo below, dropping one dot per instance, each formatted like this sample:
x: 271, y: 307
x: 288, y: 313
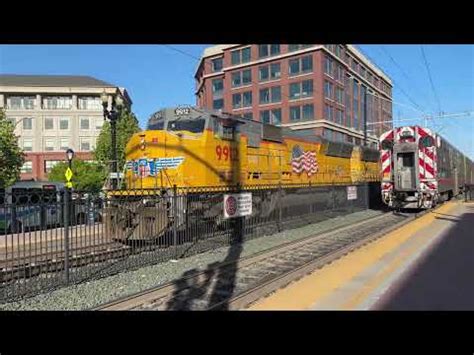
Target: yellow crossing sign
x: 68, y: 174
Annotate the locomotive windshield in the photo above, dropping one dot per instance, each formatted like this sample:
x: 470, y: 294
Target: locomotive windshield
x: 193, y: 125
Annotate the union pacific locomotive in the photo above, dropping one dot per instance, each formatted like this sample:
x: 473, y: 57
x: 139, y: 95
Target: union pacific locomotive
x: 188, y: 152
x: 421, y: 168
x: 189, y: 147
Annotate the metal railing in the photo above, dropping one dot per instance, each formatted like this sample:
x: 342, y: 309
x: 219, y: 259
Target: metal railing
x: 469, y: 192
x: 50, y: 240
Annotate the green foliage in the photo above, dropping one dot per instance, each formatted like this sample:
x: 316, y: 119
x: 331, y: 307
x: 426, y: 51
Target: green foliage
x: 127, y: 125
x: 11, y: 155
x: 87, y: 176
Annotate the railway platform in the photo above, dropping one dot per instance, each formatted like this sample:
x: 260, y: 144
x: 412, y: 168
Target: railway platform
x: 427, y: 264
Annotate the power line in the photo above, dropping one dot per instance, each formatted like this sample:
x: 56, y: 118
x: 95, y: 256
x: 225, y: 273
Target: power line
x: 396, y: 85
x: 431, y: 79
x: 396, y: 64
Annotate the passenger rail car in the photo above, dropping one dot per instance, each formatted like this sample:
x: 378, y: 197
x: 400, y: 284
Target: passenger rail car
x: 421, y: 168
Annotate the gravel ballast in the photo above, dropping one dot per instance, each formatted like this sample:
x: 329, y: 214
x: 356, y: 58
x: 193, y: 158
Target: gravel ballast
x: 91, y: 294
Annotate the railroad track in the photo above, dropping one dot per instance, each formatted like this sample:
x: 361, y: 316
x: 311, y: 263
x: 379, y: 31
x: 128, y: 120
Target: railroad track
x: 235, y: 284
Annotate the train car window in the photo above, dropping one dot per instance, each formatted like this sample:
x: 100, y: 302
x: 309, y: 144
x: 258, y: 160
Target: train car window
x: 387, y: 144
x: 406, y: 159
x: 427, y: 142
x: 228, y: 132
x: 194, y: 126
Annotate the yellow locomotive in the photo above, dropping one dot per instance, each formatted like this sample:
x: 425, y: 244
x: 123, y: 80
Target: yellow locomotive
x: 187, y: 150
x: 188, y: 147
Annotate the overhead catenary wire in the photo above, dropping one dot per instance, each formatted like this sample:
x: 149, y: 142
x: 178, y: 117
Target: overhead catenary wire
x: 430, y: 78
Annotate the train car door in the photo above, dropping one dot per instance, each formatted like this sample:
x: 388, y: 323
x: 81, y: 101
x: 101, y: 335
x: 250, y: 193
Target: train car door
x: 405, y: 178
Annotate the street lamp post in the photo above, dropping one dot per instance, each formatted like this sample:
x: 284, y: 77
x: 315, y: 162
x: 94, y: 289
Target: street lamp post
x: 67, y: 217
x: 112, y: 115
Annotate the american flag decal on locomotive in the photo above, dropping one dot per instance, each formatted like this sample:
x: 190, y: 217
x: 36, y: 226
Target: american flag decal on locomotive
x: 304, y: 161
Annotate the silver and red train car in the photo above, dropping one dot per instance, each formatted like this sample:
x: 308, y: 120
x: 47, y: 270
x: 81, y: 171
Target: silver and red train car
x: 420, y: 168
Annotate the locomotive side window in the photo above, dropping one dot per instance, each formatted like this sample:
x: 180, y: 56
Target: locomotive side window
x: 228, y: 133
x: 387, y: 144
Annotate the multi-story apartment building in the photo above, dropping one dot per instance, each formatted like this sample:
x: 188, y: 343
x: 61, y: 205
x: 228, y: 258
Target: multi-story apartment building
x: 328, y: 90
x: 52, y: 113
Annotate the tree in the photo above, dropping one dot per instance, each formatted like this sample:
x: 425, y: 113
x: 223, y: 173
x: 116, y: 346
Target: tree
x: 87, y: 176
x: 127, y: 125
x: 11, y: 155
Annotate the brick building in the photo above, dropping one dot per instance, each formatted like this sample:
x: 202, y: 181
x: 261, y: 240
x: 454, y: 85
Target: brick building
x: 328, y: 90
x: 52, y: 113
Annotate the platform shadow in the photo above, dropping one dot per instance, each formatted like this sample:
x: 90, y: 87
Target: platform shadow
x: 442, y: 279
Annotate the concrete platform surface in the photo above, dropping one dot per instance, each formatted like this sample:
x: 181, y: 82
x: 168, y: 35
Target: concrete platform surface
x: 425, y: 265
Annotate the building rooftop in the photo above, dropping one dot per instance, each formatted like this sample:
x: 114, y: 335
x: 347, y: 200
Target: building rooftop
x: 52, y: 80
x: 218, y: 49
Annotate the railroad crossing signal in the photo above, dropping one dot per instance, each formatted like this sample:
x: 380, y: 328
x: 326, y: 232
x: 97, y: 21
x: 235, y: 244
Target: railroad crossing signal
x: 68, y: 174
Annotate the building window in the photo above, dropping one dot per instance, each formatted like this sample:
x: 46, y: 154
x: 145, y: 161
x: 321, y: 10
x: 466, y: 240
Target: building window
x: 339, y: 116
x: 241, y: 78
x: 64, y: 123
x: 49, y: 145
x: 355, y: 104
x: 240, y: 56
x: 85, y: 124
x: 348, y: 101
x: 12, y: 120
x: 63, y: 143
x: 355, y: 66
x: 275, y: 93
x: 217, y: 64
x: 271, y: 116
x: 328, y: 90
x: 99, y: 122
x: 49, y: 165
x: 248, y: 115
x: 27, y: 167
x: 270, y: 72
x: 300, y: 66
x: 264, y: 50
x: 57, y: 102
x: 269, y: 95
x: 275, y: 72
x: 242, y: 100
x: 301, y: 89
x: 85, y: 145
x: 339, y: 95
x: 339, y: 73
x: 27, y: 144
x: 298, y: 113
x: 237, y: 100
x: 48, y: 123
x: 263, y: 73
x: 328, y: 133
x: 90, y: 103
x: 328, y: 112
x: 217, y: 87
x: 21, y: 102
x: 328, y: 66
x: 28, y: 123
x: 296, y: 47
x: 218, y: 104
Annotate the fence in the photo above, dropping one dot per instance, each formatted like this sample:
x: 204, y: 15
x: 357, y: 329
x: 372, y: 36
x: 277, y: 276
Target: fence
x: 469, y: 192
x: 49, y: 240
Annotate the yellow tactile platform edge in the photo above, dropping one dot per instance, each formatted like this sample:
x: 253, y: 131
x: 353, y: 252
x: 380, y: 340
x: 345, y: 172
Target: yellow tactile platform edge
x: 307, y: 291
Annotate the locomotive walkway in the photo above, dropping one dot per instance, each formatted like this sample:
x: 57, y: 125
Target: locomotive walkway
x: 425, y: 265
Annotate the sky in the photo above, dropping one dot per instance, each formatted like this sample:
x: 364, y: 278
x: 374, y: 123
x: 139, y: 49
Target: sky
x: 158, y: 76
